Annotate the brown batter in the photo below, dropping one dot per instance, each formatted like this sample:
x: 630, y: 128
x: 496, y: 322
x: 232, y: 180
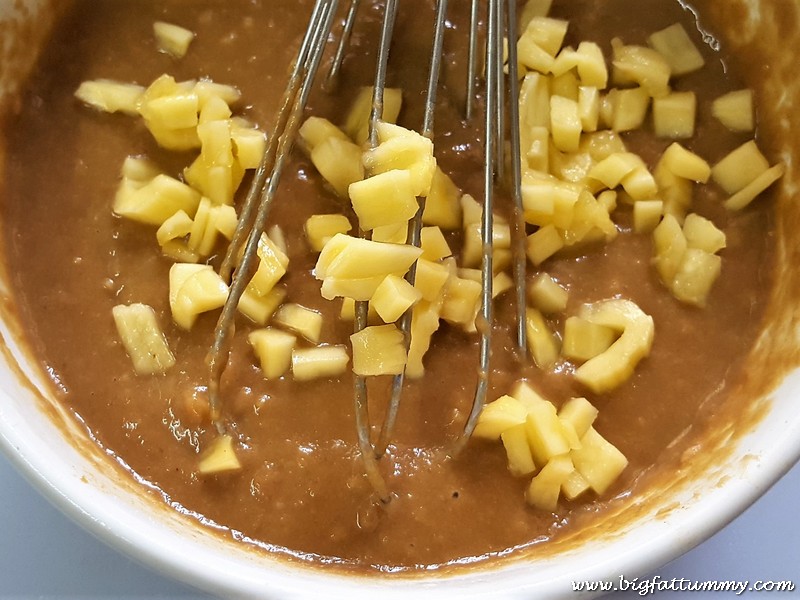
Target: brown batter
x: 302, y: 489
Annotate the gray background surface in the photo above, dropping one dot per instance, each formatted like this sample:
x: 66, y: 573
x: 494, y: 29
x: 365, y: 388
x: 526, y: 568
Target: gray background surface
x: 45, y: 555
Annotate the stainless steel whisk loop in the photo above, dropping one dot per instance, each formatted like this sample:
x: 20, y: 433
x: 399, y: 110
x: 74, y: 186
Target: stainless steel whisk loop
x: 500, y: 123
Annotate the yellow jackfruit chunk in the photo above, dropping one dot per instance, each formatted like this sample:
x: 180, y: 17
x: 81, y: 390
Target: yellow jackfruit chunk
x: 387, y: 198
x: 172, y: 39
x: 614, y: 366
x: 641, y: 65
x: 378, y: 350
x: 542, y: 341
x: 137, y: 326
x: 545, y: 487
x: 584, y: 340
x: 259, y: 309
x: 355, y: 267
x: 170, y: 111
x: 110, y: 96
x: 498, y: 416
x: 194, y: 289
x: 302, y: 320
x: 740, y: 167
x: 518, y: 450
x: 393, y: 297
x: 735, y: 110
x: 321, y: 228
x: 339, y: 163
x: 403, y: 149
x: 431, y: 279
x: 686, y: 164
x: 319, y: 362
x: 442, y: 206
x: 219, y: 457
x: 674, y: 44
x: 598, y: 461
x: 154, y: 201
x: 547, y: 295
x: 579, y: 413
x: 674, y: 115
x: 685, y: 259
x: 751, y: 191
x: 357, y: 122
x: 424, y: 323
x: 273, y: 348
x: 316, y: 130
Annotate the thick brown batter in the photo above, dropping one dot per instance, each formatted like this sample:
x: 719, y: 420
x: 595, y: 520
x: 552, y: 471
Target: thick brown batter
x: 302, y: 489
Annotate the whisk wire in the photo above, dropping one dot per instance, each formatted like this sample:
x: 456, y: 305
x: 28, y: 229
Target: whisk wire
x: 279, y: 147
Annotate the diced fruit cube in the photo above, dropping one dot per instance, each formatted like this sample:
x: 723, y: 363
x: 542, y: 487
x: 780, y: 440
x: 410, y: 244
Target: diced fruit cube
x: 442, y: 206
x: 424, y: 323
x: 302, y: 320
x: 686, y: 164
x: 384, y: 199
x: 434, y: 245
x: 696, y: 274
x: 703, y: 234
x: 319, y: 362
x: 110, y: 96
x: 674, y: 115
x: 272, y: 266
x: 543, y: 243
x: 574, y: 486
x: 520, y: 459
x: 259, y: 309
x: 378, y: 350
x: 592, y: 65
x: 339, y: 163
x: 321, y: 228
x: 670, y: 246
x: 740, y: 167
x: 393, y: 297
x: 589, y: 107
x: 462, y: 301
x: 499, y: 416
x: 565, y: 123
x: 220, y: 457
x: 598, y: 461
x: 584, y: 340
x: 172, y: 39
x: 345, y: 258
x: 542, y: 341
x: 316, y: 130
x: 647, y: 215
x: 642, y: 65
x: 155, y: 201
x: 430, y: 279
x: 273, y: 348
x: 412, y: 152
x: 640, y: 184
x: 194, y: 289
x: 674, y: 44
x: 628, y: 108
x: 615, y: 366
x: 735, y: 110
x: 547, y: 295
x: 545, y: 487
x: 751, y: 191
x: 249, y: 145
x: 357, y: 122
x: 142, y: 338
x: 546, y: 434
x: 391, y: 234
x: 580, y: 413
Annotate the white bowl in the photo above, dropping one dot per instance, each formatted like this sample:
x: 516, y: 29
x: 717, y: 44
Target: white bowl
x: 743, y: 460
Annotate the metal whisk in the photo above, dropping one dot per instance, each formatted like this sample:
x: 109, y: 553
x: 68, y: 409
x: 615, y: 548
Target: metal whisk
x: 255, y: 212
